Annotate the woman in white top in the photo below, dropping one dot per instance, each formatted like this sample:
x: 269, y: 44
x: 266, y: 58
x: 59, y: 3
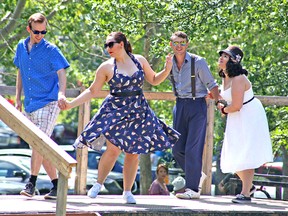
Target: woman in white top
x: 247, y: 143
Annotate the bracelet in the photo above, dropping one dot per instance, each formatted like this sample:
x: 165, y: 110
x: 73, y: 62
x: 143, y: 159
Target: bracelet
x: 217, y: 102
x: 222, y: 110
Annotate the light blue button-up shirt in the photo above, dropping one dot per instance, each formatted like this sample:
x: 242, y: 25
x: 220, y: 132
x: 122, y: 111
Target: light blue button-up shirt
x: 203, y: 77
x: 38, y: 71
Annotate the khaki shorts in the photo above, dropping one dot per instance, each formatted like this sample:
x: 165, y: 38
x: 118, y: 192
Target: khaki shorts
x: 45, y: 118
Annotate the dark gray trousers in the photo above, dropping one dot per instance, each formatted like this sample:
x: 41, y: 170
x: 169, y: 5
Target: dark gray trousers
x: 190, y: 119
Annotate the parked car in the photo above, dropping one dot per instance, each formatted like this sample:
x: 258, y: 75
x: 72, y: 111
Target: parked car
x: 112, y: 185
x: 24, y: 157
x: 64, y: 134
x: 114, y: 181
x: 272, y: 168
x: 17, y: 169
x: 9, y: 138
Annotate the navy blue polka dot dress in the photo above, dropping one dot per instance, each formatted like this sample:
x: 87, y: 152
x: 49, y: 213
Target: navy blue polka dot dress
x: 127, y: 122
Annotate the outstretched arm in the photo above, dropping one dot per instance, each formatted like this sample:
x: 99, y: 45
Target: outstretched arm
x: 156, y: 78
x: 91, y: 92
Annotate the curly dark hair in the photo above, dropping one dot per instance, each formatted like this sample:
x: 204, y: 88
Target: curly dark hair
x: 233, y: 69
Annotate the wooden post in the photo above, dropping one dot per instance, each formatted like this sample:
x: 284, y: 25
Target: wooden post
x: 82, y: 154
x: 62, y: 188
x: 208, y: 148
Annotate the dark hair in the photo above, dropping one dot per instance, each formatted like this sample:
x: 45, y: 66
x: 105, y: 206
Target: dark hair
x: 179, y: 34
x: 233, y: 69
x: 36, y: 18
x: 161, y: 166
x: 118, y: 37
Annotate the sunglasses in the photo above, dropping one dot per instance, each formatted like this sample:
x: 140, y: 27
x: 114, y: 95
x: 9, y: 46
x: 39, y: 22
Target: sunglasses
x: 182, y: 43
x: 39, y: 32
x: 110, y: 44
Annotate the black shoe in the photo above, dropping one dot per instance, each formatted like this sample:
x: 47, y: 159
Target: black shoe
x: 29, y: 190
x: 52, y: 194
x: 252, y: 190
x: 240, y: 198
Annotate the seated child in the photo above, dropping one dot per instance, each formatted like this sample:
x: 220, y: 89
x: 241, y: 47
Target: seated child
x: 158, y: 186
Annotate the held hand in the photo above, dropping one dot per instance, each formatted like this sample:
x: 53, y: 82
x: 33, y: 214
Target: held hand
x: 66, y: 105
x: 221, y: 104
x: 169, y: 62
x: 61, y: 101
x: 209, y: 96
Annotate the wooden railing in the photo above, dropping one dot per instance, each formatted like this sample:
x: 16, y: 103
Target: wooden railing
x: 39, y: 141
x: 84, y: 117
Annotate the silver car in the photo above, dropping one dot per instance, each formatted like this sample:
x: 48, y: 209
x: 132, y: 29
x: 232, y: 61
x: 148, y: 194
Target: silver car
x: 8, y: 137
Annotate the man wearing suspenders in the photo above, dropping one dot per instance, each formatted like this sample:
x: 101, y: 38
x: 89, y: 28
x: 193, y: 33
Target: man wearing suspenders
x: 191, y: 80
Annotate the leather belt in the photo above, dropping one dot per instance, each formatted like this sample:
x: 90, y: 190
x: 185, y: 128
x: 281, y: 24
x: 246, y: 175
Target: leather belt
x: 248, y: 101
x: 127, y: 94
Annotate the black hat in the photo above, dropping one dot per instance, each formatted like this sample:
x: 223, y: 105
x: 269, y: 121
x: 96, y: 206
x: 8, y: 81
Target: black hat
x: 235, y: 52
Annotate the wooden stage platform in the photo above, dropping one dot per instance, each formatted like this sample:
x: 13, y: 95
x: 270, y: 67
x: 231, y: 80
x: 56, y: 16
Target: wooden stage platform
x: 112, y: 205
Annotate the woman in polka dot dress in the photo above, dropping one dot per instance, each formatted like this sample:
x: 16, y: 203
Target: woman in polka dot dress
x: 124, y: 121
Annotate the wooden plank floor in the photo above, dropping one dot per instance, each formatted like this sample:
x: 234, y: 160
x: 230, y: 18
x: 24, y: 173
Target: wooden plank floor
x: 146, y: 206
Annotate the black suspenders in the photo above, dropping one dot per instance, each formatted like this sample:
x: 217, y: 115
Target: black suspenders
x: 173, y: 83
x: 193, y: 83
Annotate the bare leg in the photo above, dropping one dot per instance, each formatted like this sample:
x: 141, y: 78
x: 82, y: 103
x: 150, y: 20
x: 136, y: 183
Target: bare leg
x: 130, y: 170
x: 50, y: 169
x: 107, y: 161
x: 36, y: 162
x: 246, y: 177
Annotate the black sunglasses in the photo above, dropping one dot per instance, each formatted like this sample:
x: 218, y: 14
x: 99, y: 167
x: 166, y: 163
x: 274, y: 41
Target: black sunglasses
x: 39, y: 32
x: 110, y: 44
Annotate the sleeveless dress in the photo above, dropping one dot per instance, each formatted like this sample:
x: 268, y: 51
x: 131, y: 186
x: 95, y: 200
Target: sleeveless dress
x: 247, y: 143
x: 127, y: 121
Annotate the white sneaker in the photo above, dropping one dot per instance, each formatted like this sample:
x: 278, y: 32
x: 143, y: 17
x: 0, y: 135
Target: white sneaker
x: 93, y: 192
x: 188, y: 194
x: 129, y: 198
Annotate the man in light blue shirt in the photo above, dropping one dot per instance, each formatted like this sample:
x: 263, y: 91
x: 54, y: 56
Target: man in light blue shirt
x: 190, y: 111
x: 42, y: 76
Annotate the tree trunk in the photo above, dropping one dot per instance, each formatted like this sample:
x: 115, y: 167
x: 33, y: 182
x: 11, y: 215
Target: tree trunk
x: 145, y: 173
x: 145, y: 161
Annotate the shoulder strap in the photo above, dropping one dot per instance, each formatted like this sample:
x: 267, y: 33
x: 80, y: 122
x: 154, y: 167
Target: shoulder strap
x: 193, y: 84
x: 136, y: 62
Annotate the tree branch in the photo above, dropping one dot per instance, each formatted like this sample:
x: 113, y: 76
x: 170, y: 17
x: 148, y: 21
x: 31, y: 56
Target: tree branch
x: 16, y: 15
x: 5, y: 18
x: 23, y: 32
